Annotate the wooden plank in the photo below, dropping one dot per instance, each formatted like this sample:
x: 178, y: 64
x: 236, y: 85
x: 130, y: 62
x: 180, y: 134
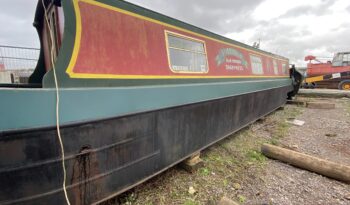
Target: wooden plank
x: 320, y: 105
x: 324, y: 167
x: 324, y: 93
x: 296, y: 102
x: 193, y: 163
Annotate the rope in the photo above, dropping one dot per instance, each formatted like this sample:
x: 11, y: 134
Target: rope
x: 57, y: 107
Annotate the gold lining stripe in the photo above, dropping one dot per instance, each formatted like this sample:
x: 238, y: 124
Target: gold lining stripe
x: 108, y: 76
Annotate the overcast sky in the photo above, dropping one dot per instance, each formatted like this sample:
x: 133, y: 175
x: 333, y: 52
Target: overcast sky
x: 292, y: 28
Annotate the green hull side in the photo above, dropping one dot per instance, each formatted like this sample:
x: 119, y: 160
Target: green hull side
x: 34, y: 108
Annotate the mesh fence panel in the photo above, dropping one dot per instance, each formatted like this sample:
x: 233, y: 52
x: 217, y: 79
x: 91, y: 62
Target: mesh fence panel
x: 18, y: 58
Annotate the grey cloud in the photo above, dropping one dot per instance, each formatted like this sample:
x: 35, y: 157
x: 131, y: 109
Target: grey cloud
x: 295, y: 42
x: 220, y: 16
x: 287, y: 44
x: 316, y: 10
x: 19, y: 9
x: 16, y: 18
x: 272, y: 30
x: 298, y: 11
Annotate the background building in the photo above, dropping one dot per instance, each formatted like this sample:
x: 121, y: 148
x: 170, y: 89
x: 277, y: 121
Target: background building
x: 17, y: 63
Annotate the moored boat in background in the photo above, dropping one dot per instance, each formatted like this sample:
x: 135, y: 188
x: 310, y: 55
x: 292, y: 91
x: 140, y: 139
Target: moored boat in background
x: 138, y: 92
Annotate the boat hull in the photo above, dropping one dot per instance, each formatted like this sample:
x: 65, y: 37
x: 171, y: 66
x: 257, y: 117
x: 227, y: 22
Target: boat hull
x: 106, y: 157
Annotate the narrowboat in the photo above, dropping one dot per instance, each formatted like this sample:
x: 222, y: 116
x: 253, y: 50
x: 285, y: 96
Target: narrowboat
x: 121, y: 93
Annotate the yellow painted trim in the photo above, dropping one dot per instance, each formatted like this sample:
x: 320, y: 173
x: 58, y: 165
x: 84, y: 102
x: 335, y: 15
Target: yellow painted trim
x: 167, y: 33
x: 314, y: 79
x: 77, y: 42
x: 108, y: 76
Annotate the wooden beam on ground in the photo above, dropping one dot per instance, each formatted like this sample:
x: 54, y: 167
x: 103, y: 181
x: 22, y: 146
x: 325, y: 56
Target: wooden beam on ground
x: 193, y: 163
x: 324, y: 93
x: 324, y: 167
x: 320, y: 105
x: 296, y: 102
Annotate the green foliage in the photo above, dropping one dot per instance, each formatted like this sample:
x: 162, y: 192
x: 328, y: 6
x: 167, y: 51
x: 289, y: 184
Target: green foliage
x: 241, y: 199
x: 281, y: 130
x: 274, y: 141
x: 205, y: 171
x: 225, y: 182
x: 191, y: 202
x: 255, y: 156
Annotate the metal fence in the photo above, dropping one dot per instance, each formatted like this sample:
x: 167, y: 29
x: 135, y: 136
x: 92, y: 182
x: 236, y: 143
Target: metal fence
x: 18, y: 58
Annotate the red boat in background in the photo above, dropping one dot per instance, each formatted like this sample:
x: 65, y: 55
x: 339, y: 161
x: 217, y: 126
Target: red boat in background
x: 333, y: 74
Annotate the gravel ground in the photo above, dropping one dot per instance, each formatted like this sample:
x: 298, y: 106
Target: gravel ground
x: 325, y: 134
x: 236, y: 169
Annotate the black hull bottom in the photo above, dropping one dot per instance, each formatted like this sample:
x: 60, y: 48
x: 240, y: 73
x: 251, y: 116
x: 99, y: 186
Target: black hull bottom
x: 107, y: 157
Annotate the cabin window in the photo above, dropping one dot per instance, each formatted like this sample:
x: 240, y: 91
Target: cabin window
x: 186, y: 55
x: 346, y: 59
x: 257, y: 66
x: 268, y: 65
x: 338, y: 60
x: 275, y: 67
x: 284, y: 68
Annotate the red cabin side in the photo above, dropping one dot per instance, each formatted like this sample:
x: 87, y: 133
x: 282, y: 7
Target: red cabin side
x: 137, y: 47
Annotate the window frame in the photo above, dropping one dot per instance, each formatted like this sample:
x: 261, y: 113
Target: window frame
x: 269, y: 65
x: 261, y: 63
x: 338, y: 60
x: 346, y: 57
x: 284, y: 68
x: 167, y: 33
x: 275, y: 67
